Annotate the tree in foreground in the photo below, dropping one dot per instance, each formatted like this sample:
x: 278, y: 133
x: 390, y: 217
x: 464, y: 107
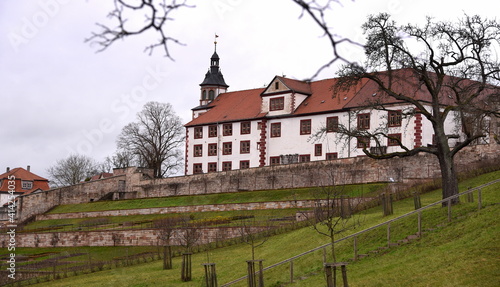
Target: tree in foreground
x: 154, y: 139
x: 442, y: 72
x: 72, y: 170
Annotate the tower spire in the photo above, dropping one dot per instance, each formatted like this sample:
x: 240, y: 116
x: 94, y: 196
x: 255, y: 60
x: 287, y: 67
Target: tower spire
x: 214, y: 83
x: 215, y: 42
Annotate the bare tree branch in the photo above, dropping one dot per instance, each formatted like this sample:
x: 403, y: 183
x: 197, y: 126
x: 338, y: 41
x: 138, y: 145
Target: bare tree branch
x: 155, y: 15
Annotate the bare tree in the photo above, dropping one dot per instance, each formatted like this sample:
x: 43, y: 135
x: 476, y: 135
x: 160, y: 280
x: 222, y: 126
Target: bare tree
x: 167, y: 227
x: 121, y: 159
x: 154, y: 139
x: 126, y: 16
x: 450, y: 75
x: 72, y: 170
x: 334, y: 211
x: 250, y: 235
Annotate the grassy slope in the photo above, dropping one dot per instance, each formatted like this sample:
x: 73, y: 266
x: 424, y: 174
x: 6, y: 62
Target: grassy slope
x: 465, y: 252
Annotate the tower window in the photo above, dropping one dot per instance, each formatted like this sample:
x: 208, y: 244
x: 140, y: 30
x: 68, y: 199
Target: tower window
x: 204, y: 95
x: 211, y: 95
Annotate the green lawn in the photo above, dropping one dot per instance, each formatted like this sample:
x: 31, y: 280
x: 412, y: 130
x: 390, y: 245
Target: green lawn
x: 461, y: 253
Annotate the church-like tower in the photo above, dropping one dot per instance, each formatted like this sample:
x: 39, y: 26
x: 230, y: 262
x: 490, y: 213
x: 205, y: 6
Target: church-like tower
x: 213, y: 85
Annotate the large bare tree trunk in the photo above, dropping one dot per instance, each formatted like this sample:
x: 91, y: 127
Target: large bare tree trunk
x: 449, y: 178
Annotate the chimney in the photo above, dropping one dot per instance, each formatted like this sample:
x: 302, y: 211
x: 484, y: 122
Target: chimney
x: 8, y: 169
x: 28, y: 168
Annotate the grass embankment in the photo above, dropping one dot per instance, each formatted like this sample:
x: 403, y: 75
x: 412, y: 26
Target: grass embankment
x: 219, y: 198
x: 461, y: 253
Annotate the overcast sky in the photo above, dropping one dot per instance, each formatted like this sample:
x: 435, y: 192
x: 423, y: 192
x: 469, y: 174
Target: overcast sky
x: 58, y: 96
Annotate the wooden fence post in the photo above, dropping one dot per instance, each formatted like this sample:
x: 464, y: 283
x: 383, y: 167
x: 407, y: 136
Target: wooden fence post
x: 355, y: 243
x: 479, y: 200
x: 253, y: 279
x: 449, y: 209
x: 388, y: 234
x: 210, y: 275
x: 416, y: 201
x: 186, y: 267
x: 470, y: 196
x: 419, y: 222
x: 291, y: 271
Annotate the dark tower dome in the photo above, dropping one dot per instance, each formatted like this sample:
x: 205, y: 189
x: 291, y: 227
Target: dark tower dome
x: 214, y: 76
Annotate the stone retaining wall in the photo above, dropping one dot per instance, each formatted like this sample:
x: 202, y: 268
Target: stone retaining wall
x: 131, y: 237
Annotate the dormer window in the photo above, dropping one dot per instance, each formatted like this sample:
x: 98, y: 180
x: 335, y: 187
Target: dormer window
x: 27, y: 184
x: 277, y: 104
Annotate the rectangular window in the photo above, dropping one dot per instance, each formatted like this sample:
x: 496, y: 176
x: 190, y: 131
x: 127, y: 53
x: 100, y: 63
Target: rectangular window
x: 244, y: 164
x: 212, y: 167
x: 363, y: 142
x: 198, y: 132
x: 331, y: 155
x: 212, y: 149
x: 393, y: 139
x: 275, y: 130
x: 363, y: 121
x: 212, y: 131
x: 197, y: 168
x: 227, y: 129
x: 245, y: 128
x: 277, y: 104
x: 227, y: 148
x: 25, y: 184
x: 394, y: 119
x: 305, y: 127
x: 198, y: 150
x: 245, y: 147
x: 275, y: 160
x: 318, y: 149
x: 304, y: 158
x: 227, y: 165
x: 332, y: 124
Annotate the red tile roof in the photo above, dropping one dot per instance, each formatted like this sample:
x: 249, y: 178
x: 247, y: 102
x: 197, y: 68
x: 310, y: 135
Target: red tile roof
x: 101, y: 176
x: 296, y: 85
x: 232, y: 106
x: 20, y: 175
x: 246, y: 105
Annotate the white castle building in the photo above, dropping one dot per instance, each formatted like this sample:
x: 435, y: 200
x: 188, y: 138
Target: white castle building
x: 278, y: 124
